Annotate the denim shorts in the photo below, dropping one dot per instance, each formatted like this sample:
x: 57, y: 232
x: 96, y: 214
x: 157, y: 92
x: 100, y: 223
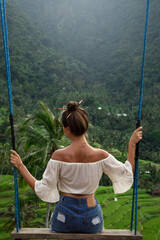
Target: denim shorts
x: 72, y: 215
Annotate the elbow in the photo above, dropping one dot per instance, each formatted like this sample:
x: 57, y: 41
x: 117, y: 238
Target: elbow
x: 32, y: 184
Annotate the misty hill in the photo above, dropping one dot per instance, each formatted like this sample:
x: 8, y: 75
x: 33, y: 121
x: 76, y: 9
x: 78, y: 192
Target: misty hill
x: 39, y: 71
x: 105, y: 35
x: 91, y: 50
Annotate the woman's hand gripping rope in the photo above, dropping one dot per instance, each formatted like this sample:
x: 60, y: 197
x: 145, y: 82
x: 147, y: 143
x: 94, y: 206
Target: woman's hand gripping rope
x: 16, y: 159
x: 136, y: 136
x: 17, y: 162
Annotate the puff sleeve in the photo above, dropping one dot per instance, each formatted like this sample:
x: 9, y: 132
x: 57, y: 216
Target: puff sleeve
x: 120, y: 174
x: 46, y: 189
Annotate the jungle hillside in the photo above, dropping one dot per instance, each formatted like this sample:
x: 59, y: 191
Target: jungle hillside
x: 81, y: 49
x: 91, y: 51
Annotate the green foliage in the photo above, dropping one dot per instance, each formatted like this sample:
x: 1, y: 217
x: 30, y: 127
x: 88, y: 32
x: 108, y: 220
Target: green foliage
x: 6, y: 167
x: 149, y: 175
x: 41, y: 135
x: 61, y: 51
x: 109, y: 46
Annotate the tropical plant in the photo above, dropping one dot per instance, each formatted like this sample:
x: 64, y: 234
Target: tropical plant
x: 5, y: 167
x: 41, y: 135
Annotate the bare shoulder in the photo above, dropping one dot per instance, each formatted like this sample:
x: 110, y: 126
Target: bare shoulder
x: 58, y: 154
x: 102, y: 153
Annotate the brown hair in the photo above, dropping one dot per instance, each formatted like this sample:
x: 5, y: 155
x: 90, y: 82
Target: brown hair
x: 75, y: 118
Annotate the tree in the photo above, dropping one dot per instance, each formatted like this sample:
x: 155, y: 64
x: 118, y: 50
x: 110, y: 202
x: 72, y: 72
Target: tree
x: 42, y: 134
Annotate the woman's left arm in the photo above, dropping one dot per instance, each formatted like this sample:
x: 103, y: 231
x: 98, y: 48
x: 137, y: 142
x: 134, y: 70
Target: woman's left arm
x: 17, y: 162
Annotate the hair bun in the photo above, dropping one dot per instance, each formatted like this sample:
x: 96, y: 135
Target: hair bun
x: 72, y: 106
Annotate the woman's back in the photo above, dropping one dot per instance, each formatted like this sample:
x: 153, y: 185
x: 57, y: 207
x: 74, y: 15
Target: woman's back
x: 79, y: 153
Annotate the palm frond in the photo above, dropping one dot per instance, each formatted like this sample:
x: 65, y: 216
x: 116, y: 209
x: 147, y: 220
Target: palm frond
x: 32, y: 157
x: 41, y: 134
x: 23, y: 126
x: 35, y: 137
x: 51, y: 123
x: 48, y: 112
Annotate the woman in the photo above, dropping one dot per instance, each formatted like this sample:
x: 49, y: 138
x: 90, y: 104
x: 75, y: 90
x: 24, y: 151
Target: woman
x: 77, y: 170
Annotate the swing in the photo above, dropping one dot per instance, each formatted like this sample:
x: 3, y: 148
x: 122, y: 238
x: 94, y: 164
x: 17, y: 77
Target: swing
x: 45, y: 233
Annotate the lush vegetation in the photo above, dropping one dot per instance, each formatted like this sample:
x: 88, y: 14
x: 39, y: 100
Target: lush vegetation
x: 41, y: 133
x: 72, y: 50
x: 89, y: 53
x: 117, y: 214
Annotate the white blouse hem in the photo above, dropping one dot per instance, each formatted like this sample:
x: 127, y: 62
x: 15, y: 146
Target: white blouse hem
x: 126, y: 181
x: 46, y: 194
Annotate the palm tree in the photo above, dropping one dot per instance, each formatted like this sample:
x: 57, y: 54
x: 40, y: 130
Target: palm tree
x: 42, y: 135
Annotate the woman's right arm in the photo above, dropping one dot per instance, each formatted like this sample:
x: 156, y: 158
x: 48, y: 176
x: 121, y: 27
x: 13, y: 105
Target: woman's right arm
x: 135, y: 138
x: 17, y: 162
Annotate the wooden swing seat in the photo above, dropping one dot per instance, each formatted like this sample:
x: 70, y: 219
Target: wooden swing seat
x: 45, y: 233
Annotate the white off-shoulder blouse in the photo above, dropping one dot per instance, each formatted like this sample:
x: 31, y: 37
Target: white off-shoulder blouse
x: 82, y: 178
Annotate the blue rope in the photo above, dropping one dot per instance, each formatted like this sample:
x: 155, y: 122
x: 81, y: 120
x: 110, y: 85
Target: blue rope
x: 136, y: 203
x: 131, y: 228
x: 143, y: 60
x: 6, y: 50
x: 135, y: 186
x: 5, y: 40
